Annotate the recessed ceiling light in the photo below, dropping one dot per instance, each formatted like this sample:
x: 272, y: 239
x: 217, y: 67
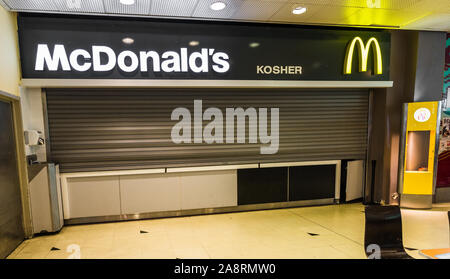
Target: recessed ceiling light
x: 128, y: 40
x: 299, y: 10
x: 254, y: 44
x: 217, y: 6
x: 127, y: 2
x: 194, y: 43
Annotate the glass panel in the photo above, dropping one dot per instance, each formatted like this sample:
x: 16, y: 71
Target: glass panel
x: 417, y: 151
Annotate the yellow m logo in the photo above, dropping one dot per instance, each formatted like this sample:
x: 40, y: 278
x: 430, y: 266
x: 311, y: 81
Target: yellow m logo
x: 363, y: 55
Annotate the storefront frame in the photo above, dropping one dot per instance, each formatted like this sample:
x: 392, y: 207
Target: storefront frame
x: 74, y: 83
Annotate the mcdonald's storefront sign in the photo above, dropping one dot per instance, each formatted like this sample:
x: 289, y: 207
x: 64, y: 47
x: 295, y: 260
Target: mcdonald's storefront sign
x: 363, y: 55
x: 62, y: 48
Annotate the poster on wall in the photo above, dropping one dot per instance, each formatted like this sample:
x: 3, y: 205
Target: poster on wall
x: 443, y: 176
x: 447, y: 73
x: 445, y: 133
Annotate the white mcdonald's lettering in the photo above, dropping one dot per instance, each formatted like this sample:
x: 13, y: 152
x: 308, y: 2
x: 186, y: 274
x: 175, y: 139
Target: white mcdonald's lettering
x: 128, y: 61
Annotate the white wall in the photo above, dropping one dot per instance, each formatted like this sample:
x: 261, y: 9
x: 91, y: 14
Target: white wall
x: 33, y: 118
x: 144, y: 193
x: 9, y: 53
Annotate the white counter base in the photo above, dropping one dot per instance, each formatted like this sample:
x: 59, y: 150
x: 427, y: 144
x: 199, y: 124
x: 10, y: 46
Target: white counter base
x: 154, y: 193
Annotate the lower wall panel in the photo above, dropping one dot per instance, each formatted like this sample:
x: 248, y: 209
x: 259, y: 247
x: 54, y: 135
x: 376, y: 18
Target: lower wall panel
x: 146, y: 193
x: 93, y: 196
x: 281, y: 184
x: 202, y: 211
x: 163, y: 194
x: 442, y: 195
x: 208, y: 189
x: 312, y: 182
x: 150, y: 193
x: 40, y: 201
x: 265, y: 185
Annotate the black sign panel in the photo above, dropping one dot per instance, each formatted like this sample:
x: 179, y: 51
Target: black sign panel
x: 100, y: 48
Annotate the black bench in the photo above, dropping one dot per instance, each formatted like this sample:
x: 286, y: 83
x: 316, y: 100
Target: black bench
x: 383, y: 236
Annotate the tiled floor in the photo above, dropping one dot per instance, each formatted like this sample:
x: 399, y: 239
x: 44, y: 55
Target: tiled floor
x: 335, y: 231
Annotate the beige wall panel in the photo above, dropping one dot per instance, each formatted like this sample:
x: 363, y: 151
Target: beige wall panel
x: 33, y: 118
x: 355, y: 180
x: 9, y: 53
x: 93, y: 196
x: 150, y: 193
x: 40, y: 204
x: 209, y: 189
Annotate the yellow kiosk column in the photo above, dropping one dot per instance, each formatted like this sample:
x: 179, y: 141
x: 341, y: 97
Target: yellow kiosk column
x: 418, y: 154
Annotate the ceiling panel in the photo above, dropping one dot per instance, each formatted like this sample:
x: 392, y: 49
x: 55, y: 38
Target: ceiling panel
x: 182, y: 8
x: 285, y: 13
x: 437, y: 6
x: 330, y: 14
x: 257, y: 10
x: 371, y: 4
x: 82, y: 6
x: 140, y: 7
x: 432, y: 22
x: 383, y: 17
x: 31, y: 5
x: 203, y: 9
x: 407, y: 14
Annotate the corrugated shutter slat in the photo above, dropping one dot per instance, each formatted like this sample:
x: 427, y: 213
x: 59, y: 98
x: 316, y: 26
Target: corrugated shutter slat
x: 118, y: 129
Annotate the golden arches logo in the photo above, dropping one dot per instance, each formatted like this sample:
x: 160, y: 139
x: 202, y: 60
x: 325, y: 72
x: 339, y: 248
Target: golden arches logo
x: 363, y: 55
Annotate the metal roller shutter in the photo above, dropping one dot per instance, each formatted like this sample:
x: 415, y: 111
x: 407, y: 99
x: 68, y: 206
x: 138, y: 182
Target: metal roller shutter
x: 117, y: 129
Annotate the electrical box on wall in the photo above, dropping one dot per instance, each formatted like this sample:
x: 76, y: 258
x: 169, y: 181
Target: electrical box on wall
x: 418, y: 154
x: 33, y: 137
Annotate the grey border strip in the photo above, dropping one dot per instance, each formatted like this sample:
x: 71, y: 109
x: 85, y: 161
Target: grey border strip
x: 48, y: 151
x: 53, y: 196
x: 299, y: 164
x: 436, y: 145
x: 369, y: 142
x: 186, y: 83
x: 9, y: 96
x: 411, y: 201
x: 401, y: 154
x: 203, y: 211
